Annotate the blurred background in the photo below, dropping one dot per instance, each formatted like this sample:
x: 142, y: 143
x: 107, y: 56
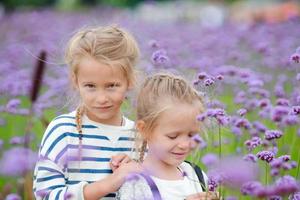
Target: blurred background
x: 242, y: 54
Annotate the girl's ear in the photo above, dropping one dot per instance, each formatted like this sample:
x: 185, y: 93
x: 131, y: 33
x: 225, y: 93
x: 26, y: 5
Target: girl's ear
x: 140, y: 126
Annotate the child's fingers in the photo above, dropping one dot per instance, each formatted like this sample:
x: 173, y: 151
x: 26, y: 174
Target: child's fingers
x: 117, y: 159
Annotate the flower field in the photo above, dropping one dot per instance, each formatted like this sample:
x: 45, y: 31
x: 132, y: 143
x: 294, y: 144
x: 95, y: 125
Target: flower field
x: 248, y: 73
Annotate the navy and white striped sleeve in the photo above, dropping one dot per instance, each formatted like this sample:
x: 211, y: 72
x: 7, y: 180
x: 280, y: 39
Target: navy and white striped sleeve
x: 50, y: 176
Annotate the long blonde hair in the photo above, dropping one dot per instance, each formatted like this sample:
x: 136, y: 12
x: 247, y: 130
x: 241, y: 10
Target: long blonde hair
x: 110, y: 45
x: 155, y: 89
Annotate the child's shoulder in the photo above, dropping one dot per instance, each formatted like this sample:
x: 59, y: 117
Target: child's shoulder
x: 63, y: 120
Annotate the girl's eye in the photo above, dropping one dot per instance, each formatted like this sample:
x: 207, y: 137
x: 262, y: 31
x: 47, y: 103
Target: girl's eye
x: 89, y: 85
x: 113, y: 85
x: 172, y: 137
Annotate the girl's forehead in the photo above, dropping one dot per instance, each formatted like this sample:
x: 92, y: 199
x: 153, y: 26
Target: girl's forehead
x: 89, y: 67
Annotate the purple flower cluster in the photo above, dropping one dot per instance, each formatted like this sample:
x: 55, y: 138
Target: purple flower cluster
x: 267, y: 156
x: 253, y: 143
x: 273, y: 134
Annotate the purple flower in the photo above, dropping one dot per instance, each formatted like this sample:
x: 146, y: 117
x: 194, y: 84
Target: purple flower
x: 202, y: 75
x: 201, y: 117
x: 160, y: 57
x: 279, y: 112
x: 265, y: 155
x: 13, y: 196
x: 253, y: 143
x: 243, y: 123
x: 296, y: 110
x: 286, y: 185
x: 250, y: 157
x: 13, y: 105
x: 273, y: 134
x: 295, y: 196
x: 12, y: 165
x: 220, y: 77
x: 251, y: 187
x: 290, y: 120
x: 264, y: 103
x: 209, y: 159
x: 295, y: 57
x: 282, y: 102
x: 209, y: 82
x: 242, y: 111
x: 235, y: 171
x: 259, y: 126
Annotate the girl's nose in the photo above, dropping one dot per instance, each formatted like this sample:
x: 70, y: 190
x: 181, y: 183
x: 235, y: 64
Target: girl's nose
x: 101, y: 98
x: 185, y: 143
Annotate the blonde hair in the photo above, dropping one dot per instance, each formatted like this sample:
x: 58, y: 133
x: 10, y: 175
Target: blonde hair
x: 109, y: 45
x: 155, y: 89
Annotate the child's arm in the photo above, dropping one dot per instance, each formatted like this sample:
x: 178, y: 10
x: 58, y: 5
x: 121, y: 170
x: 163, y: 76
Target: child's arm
x: 112, y: 182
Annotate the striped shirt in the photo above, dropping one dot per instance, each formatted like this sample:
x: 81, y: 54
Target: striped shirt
x: 64, y: 167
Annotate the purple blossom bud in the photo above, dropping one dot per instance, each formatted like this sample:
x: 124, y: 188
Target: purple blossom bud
x: 253, y: 142
x: 290, y: 120
x: 243, y: 123
x: 259, y: 126
x: 242, y: 111
x: 274, y: 172
x: 264, y: 103
x: 160, y: 57
x: 295, y: 57
x: 296, y: 110
x: 276, y: 163
x: 250, y: 188
x: 282, y: 102
x: 13, y: 105
x: 279, y: 112
x: 265, y: 155
x: 209, y: 82
x: 220, y: 77
x: 294, y: 164
x: 202, y: 76
x: 201, y: 117
x: 286, y: 166
x: 250, y: 157
x: 273, y: 134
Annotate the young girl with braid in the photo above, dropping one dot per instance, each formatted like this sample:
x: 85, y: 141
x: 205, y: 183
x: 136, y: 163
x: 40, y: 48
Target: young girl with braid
x: 76, y: 150
x: 167, y: 109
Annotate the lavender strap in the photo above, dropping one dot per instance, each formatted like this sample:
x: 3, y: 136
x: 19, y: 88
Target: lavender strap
x: 153, y: 187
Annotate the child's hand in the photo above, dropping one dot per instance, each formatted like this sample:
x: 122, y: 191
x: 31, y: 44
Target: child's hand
x: 119, y: 159
x: 204, y: 196
x: 124, y: 170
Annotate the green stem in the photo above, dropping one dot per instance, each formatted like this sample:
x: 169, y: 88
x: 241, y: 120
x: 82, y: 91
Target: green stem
x: 266, y: 175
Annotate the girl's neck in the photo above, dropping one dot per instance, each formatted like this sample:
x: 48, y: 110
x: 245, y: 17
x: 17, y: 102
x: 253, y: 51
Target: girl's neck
x: 161, y: 170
